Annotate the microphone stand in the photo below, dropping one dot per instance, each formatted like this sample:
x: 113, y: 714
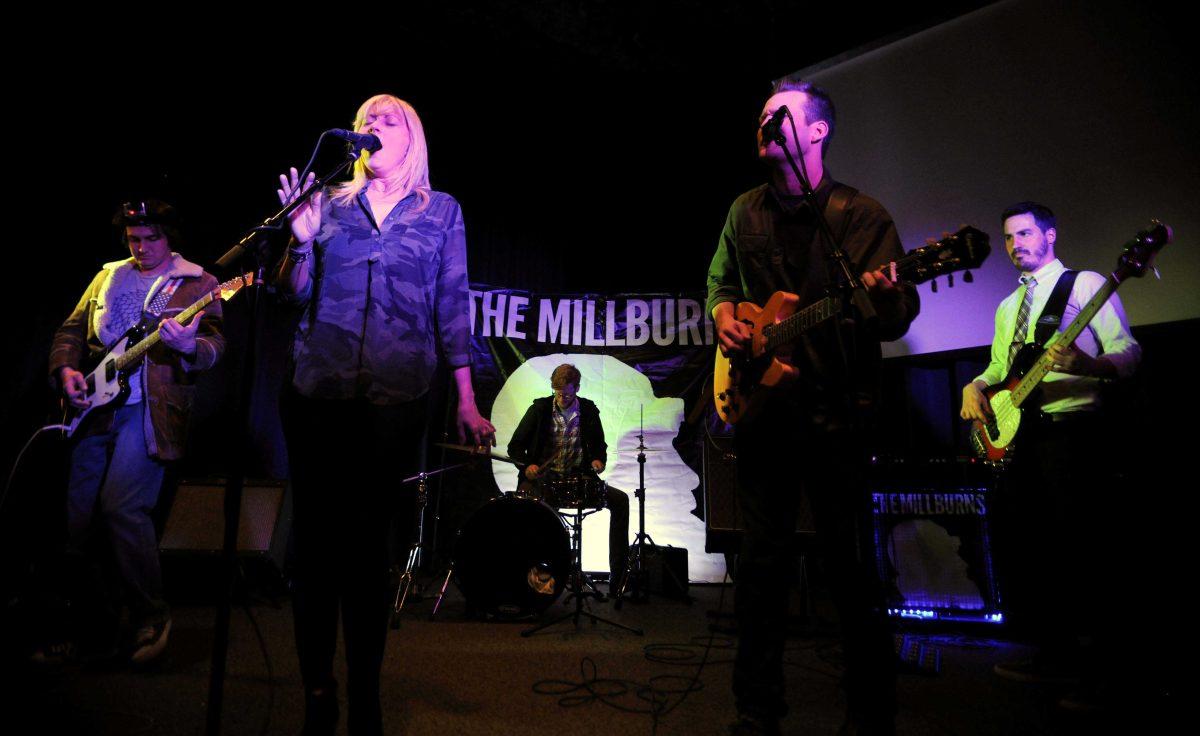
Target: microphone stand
x: 249, y: 245
x: 858, y: 294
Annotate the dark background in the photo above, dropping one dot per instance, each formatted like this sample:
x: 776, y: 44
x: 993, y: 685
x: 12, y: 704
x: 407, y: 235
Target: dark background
x: 594, y: 146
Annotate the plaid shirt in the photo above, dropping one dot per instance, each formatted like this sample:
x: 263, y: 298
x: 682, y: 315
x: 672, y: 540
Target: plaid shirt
x: 567, y: 449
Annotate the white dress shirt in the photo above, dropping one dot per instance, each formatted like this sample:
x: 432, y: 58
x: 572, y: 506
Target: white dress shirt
x: 1106, y: 335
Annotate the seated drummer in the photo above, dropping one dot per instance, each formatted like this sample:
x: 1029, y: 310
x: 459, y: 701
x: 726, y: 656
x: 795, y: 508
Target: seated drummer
x: 561, y: 435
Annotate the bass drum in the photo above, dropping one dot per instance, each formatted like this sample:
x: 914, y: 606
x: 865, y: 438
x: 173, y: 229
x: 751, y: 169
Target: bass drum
x: 513, y: 557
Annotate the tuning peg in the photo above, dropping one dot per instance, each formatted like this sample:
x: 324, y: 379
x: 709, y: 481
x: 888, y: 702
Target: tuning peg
x: 933, y: 285
x: 967, y: 277
x: 950, y: 280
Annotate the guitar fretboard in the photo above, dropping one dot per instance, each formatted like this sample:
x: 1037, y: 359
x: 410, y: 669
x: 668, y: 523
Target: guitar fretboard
x: 787, y: 330
x: 1042, y: 366
x: 135, y: 353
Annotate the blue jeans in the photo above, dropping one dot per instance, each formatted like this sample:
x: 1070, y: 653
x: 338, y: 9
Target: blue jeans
x: 114, y: 486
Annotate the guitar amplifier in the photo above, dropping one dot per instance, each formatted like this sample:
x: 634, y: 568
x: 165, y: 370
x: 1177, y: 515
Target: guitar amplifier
x: 722, y: 517
x: 196, y: 523
x: 666, y: 571
x: 930, y: 528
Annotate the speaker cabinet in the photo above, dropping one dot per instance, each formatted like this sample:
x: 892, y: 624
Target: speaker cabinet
x: 723, y: 526
x: 930, y: 522
x: 196, y: 522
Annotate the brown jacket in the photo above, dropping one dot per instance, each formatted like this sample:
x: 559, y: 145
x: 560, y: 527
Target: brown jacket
x: 168, y: 381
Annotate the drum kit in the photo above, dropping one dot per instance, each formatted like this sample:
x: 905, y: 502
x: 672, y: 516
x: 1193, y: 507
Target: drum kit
x: 515, y: 555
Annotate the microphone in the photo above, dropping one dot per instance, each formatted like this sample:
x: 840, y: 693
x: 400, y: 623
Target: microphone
x: 772, y: 130
x: 364, y: 141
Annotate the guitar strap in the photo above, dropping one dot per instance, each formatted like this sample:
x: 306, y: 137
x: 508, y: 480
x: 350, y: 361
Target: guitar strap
x: 1052, y: 314
x: 835, y: 209
x: 860, y: 398
x: 158, y: 304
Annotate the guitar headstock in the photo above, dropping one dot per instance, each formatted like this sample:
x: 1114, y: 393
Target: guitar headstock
x: 228, y: 288
x: 1139, y: 252
x: 965, y: 249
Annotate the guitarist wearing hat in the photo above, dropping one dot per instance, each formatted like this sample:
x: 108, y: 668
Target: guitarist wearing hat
x: 118, y: 460
x: 1063, y: 459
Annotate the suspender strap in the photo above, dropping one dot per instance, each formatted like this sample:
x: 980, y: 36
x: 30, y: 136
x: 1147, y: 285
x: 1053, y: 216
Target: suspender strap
x: 1052, y: 314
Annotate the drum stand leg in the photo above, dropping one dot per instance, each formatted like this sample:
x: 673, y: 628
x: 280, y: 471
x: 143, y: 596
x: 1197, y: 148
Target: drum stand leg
x: 577, y: 586
x: 437, y: 602
x: 407, y: 583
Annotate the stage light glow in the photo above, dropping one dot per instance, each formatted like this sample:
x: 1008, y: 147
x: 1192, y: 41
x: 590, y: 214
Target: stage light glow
x: 619, y: 391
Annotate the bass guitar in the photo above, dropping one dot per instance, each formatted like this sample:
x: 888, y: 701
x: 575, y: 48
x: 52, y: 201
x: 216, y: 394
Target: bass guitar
x: 993, y: 440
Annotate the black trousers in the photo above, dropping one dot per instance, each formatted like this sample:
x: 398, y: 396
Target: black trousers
x: 1055, y: 530
x: 346, y: 460
x: 777, y: 460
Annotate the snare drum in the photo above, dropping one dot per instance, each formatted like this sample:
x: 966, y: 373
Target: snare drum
x: 513, y: 557
x: 574, y: 491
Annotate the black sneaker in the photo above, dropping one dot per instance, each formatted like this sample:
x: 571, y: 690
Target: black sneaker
x: 1086, y: 701
x: 150, y: 641
x: 1038, y: 671
x: 748, y: 725
x: 321, y: 712
x: 53, y: 654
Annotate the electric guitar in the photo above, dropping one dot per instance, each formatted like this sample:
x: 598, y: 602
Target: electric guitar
x: 742, y: 383
x: 993, y: 440
x: 108, y: 382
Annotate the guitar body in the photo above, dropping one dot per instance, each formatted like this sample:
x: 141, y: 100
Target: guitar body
x: 993, y: 440
x: 107, y: 385
x: 742, y: 384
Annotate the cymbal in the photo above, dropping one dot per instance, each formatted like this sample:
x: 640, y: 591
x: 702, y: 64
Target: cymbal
x: 638, y: 449
x: 474, y: 450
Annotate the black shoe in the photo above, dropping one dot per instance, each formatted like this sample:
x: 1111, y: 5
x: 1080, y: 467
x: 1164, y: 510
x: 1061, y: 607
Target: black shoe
x: 856, y: 726
x: 321, y: 712
x: 53, y: 654
x: 748, y: 725
x: 1038, y: 671
x: 150, y: 641
x: 1085, y: 701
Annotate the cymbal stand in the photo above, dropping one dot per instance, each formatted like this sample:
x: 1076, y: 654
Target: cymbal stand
x: 635, y: 572
x: 408, y: 578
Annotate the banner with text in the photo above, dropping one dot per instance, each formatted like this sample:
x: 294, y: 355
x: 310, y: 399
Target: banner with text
x: 645, y: 361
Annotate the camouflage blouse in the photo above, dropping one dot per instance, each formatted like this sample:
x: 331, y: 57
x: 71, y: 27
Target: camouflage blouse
x: 383, y: 301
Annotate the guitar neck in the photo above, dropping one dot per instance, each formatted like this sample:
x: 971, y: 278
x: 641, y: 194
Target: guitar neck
x: 131, y: 356
x: 787, y: 330
x: 1081, y: 321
